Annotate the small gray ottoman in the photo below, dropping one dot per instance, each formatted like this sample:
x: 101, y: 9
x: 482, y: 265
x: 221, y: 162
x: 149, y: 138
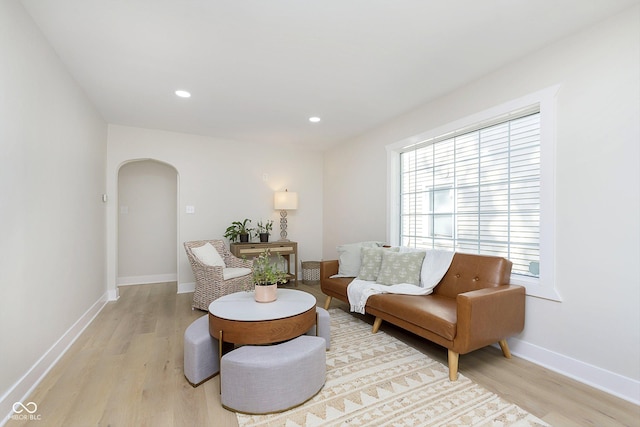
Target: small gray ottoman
x: 324, y: 328
x: 273, y: 378
x: 200, y: 352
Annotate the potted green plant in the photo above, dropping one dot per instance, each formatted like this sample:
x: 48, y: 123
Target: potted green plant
x: 264, y: 230
x: 239, y: 230
x: 266, y: 276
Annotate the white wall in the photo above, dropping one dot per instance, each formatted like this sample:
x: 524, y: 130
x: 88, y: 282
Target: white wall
x: 594, y: 334
x: 147, y: 223
x: 223, y: 180
x: 52, y: 218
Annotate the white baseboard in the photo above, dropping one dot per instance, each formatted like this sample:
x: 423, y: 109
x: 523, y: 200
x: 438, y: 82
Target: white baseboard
x: 184, y: 288
x: 25, y: 385
x: 141, y: 280
x: 113, y: 295
x: 607, y: 381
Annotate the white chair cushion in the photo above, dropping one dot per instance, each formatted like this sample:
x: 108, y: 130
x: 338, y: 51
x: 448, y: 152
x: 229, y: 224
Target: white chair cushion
x: 233, y: 272
x: 208, y: 255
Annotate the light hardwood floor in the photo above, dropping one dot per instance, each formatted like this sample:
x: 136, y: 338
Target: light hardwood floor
x: 126, y: 370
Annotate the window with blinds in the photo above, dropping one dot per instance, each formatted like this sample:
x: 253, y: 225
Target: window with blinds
x: 476, y: 190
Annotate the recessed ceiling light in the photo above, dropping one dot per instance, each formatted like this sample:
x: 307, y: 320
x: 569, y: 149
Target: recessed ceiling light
x: 183, y: 94
x: 314, y: 119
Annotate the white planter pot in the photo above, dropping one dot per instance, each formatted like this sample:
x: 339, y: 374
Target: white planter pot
x: 267, y: 293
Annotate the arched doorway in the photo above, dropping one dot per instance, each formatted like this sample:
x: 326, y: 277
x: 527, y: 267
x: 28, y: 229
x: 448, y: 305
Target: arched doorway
x: 147, y: 223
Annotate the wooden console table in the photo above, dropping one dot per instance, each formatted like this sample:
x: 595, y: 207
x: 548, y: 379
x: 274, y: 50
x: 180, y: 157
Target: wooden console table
x: 286, y: 249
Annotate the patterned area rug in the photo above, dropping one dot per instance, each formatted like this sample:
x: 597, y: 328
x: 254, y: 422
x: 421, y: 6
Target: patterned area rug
x: 376, y: 380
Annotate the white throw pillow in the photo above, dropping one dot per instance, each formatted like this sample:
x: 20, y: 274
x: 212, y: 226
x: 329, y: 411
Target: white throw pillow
x: 233, y: 272
x: 208, y: 255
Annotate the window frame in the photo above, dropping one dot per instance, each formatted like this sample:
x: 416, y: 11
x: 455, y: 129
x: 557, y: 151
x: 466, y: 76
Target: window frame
x: 543, y: 286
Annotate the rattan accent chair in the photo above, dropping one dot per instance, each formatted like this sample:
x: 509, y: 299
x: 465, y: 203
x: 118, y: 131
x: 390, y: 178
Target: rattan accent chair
x: 210, y: 283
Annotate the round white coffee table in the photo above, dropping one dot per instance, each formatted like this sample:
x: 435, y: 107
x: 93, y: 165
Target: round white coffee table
x: 237, y: 318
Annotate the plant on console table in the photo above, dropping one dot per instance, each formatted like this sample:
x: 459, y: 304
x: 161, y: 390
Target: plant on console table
x: 264, y: 230
x: 239, y: 230
x: 267, y: 276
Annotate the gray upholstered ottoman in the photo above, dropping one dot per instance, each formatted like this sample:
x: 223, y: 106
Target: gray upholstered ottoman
x: 273, y: 378
x: 200, y: 352
x: 323, y: 324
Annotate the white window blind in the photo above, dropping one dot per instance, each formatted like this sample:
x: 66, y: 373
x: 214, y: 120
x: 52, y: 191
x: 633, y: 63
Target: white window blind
x: 476, y: 190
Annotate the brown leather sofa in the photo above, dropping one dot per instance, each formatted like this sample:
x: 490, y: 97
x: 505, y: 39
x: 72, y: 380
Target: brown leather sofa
x: 473, y: 306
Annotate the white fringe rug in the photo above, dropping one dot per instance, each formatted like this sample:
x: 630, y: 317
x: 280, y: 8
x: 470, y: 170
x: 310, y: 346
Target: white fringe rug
x: 376, y: 380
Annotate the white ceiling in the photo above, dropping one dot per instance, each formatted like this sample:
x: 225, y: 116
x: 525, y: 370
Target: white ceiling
x: 257, y: 69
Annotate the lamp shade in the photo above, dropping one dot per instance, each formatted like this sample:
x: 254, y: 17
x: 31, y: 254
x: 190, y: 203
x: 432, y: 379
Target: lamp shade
x: 284, y: 200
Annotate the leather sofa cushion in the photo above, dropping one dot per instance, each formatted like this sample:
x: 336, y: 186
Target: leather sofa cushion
x: 434, y: 313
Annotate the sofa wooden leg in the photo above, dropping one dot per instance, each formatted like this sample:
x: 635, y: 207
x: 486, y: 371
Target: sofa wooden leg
x: 505, y: 348
x: 327, y: 303
x: 376, y: 324
x: 453, y: 365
